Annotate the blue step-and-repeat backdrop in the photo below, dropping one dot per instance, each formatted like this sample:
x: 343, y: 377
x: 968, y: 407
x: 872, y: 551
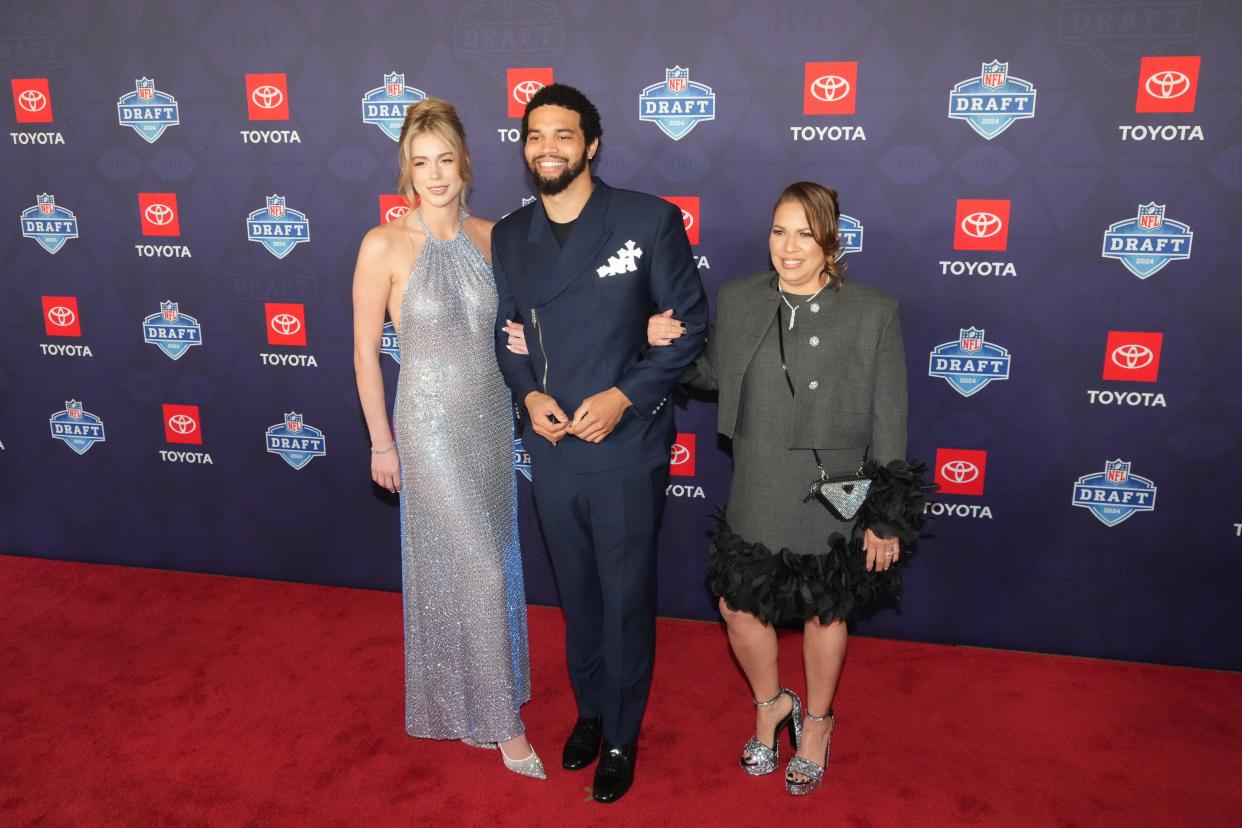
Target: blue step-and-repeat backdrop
x: 1051, y: 189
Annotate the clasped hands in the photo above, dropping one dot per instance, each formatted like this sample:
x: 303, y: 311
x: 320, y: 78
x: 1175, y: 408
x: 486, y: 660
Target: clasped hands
x: 593, y: 421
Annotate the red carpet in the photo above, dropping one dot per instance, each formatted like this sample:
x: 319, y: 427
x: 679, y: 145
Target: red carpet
x: 138, y: 697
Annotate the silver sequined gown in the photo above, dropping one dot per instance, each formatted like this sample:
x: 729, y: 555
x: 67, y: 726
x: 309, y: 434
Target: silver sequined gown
x: 466, y: 658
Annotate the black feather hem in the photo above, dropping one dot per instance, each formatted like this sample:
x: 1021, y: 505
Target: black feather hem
x: 833, y: 583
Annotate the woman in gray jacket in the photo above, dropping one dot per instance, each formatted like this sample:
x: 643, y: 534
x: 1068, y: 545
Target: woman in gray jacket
x: 811, y: 378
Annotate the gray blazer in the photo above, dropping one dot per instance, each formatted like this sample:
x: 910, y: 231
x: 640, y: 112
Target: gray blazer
x: 857, y: 364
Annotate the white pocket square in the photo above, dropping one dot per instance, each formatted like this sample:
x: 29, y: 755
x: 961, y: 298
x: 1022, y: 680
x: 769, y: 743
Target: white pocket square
x: 623, y: 261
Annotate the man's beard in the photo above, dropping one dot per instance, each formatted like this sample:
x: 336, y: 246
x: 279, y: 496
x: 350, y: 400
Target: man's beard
x: 552, y: 186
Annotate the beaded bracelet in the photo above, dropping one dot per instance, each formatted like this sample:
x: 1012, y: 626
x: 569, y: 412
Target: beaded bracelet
x: 383, y: 450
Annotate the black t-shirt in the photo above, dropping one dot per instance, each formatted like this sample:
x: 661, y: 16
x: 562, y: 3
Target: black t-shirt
x: 561, y: 231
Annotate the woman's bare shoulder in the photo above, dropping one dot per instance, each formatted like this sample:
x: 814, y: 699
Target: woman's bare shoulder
x: 389, y: 236
x: 480, y: 232
x: 479, y: 226
x: 391, y: 247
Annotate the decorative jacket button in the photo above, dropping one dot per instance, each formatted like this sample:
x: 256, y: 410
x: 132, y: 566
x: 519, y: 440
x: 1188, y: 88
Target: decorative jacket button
x: 813, y: 385
x: 815, y: 307
x: 814, y: 341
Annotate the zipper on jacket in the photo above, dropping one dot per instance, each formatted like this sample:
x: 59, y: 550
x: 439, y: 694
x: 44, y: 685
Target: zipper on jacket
x: 534, y: 320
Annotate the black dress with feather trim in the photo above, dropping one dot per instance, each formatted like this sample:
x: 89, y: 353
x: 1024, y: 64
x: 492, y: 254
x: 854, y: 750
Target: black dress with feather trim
x: 774, y: 555
x: 832, y: 582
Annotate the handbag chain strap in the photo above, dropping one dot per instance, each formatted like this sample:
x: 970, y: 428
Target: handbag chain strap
x: 780, y: 341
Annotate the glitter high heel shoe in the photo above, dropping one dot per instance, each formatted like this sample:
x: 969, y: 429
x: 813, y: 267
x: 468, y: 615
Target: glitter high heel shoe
x: 762, y: 758
x: 814, y: 773
x: 531, y: 766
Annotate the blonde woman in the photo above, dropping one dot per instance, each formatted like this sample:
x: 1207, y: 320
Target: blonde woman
x: 466, y: 659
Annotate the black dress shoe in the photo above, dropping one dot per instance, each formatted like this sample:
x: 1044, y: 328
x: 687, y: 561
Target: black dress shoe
x: 582, y: 746
x: 615, y: 772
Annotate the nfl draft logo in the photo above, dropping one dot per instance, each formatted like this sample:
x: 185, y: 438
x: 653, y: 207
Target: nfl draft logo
x: 48, y: 223
x: 172, y: 331
x: 521, y: 458
x: 969, y: 363
x: 1114, y: 494
x: 384, y: 106
x: 1147, y: 242
x: 147, y: 110
x: 850, y: 232
x: 389, y: 344
x: 678, y: 104
x: 296, y: 442
x: 992, y: 101
x: 78, y: 428
x: 278, y: 227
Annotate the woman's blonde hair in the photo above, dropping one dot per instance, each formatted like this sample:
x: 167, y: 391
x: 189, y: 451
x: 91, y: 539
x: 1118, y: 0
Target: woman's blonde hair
x: 822, y: 211
x: 438, y: 117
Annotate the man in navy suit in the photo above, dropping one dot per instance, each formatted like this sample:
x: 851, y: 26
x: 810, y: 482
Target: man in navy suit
x: 583, y: 267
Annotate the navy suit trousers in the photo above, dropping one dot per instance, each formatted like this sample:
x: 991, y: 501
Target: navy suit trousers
x: 601, y: 528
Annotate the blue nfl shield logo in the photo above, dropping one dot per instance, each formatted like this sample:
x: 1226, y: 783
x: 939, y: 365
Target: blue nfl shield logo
x: 147, y: 110
x: 394, y: 84
x: 994, y: 74
x: 76, y: 428
x: 1148, y: 241
x: 971, y: 339
x: 295, y: 442
x: 677, y: 79
x: 850, y: 231
x: 1150, y: 216
x: 172, y: 331
x: 1117, y: 471
x: 51, y: 234
x: 277, y: 227
x: 1114, y: 495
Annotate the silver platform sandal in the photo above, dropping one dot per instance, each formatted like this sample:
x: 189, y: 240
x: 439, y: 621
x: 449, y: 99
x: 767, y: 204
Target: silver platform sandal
x: 813, y: 772
x: 763, y: 759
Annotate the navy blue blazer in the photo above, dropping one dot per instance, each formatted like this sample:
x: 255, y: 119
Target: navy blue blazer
x: 585, y: 308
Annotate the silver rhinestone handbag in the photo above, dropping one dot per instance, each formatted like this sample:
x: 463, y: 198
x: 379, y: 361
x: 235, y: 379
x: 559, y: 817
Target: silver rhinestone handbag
x: 843, y: 495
